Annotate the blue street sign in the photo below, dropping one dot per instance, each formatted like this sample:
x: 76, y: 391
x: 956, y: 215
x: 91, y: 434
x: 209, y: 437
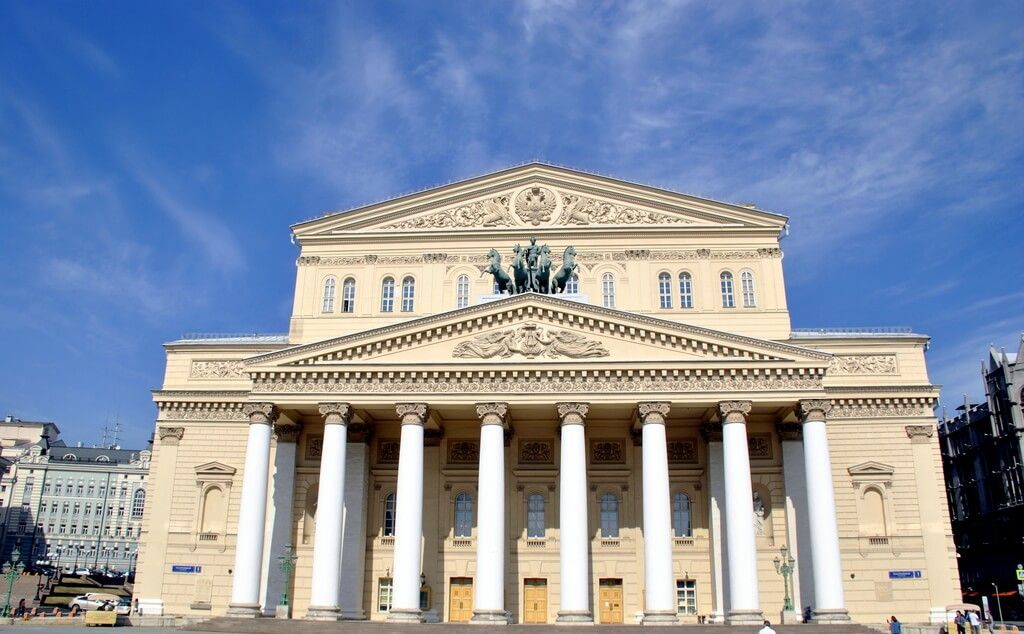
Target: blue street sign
x: 186, y: 569
x: 904, y: 574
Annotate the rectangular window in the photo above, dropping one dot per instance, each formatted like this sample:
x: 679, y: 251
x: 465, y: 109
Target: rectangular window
x: 63, y: 529
x: 384, y: 594
x: 686, y: 596
x: 535, y: 516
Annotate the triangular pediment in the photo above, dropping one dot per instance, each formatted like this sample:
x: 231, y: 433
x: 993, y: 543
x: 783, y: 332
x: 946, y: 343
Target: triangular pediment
x: 214, y: 469
x: 532, y: 330
x: 538, y: 197
x: 871, y: 469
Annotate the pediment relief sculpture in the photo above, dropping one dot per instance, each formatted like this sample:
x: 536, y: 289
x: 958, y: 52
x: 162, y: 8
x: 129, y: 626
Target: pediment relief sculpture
x: 493, y: 212
x: 581, y: 210
x: 530, y: 340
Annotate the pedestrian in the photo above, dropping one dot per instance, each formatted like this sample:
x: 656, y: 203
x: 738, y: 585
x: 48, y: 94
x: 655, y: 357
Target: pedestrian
x: 960, y: 620
x: 21, y: 608
x: 975, y: 621
x: 895, y: 627
x: 807, y: 614
x: 766, y: 629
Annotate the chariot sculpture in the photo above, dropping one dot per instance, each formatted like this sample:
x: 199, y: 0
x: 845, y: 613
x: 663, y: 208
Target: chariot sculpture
x: 531, y: 270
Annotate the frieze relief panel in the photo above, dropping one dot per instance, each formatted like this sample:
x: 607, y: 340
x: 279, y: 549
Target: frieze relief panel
x: 607, y: 452
x: 530, y: 340
x: 536, y: 452
x: 314, y: 447
x: 759, y: 446
x: 218, y: 369
x: 682, y: 451
x: 582, y: 210
x: 847, y: 364
x: 463, y: 452
x: 387, y: 451
x: 493, y: 212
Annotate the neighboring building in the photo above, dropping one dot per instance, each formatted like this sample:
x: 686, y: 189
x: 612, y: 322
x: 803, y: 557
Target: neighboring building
x: 639, y: 447
x: 982, y: 451
x: 16, y: 437
x: 76, y: 507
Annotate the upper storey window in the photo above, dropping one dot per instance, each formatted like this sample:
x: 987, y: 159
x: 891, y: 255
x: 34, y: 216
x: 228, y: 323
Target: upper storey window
x: 408, y: 294
x: 348, y: 295
x: 728, y: 294
x: 573, y: 284
x: 685, y: 290
x: 462, y: 291
x: 328, y: 303
x: 463, y: 515
x: 664, y: 290
x: 747, y: 282
x: 609, y: 515
x: 387, y: 295
x: 608, y: 290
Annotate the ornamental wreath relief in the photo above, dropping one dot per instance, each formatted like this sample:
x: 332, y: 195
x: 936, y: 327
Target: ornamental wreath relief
x: 530, y: 341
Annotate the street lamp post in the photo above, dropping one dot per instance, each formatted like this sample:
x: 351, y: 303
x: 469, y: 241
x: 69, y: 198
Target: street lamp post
x: 785, y: 567
x: 287, y: 559
x: 999, y: 603
x: 11, y: 570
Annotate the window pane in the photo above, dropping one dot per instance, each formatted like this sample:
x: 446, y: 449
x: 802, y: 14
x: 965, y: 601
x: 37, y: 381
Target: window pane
x: 328, y: 304
x: 535, y: 516
x: 573, y: 285
x: 686, y: 596
x: 384, y: 595
x: 387, y: 295
x: 608, y: 290
x: 462, y: 292
x: 685, y: 290
x: 609, y: 515
x: 681, y: 515
x: 463, y: 515
x: 664, y: 290
x: 408, y: 294
x: 348, y: 296
x: 747, y: 279
x: 389, y: 515
x: 728, y: 299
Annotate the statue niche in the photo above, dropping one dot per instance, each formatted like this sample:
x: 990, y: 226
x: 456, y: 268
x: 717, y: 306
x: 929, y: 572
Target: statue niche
x: 531, y: 270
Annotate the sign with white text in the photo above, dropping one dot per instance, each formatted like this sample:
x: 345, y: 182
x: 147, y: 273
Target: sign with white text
x: 904, y: 574
x: 191, y: 570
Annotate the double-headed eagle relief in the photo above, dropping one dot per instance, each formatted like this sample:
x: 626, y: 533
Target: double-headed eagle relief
x: 531, y: 270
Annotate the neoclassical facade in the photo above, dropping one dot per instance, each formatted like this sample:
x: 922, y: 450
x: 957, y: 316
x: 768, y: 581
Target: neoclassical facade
x: 647, y: 446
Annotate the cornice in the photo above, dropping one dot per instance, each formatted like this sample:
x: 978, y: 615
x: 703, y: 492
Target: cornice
x: 556, y: 305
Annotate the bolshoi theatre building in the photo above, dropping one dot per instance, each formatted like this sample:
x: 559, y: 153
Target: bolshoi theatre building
x: 544, y: 396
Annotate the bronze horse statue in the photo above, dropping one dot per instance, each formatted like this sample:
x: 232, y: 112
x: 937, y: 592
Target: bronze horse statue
x: 544, y: 270
x: 501, y: 278
x: 569, y: 266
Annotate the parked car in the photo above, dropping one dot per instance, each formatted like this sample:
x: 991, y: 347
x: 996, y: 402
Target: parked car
x: 124, y: 606
x: 93, y: 600
x: 82, y: 571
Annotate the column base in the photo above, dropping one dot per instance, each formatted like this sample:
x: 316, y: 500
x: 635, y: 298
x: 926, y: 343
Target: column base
x: 323, y: 613
x: 660, y: 617
x: 790, y: 617
x: 744, y: 617
x: 830, y: 616
x: 401, y: 615
x: 353, y: 615
x: 575, y: 617
x: 244, y: 610
x: 491, y: 617
x: 283, y: 612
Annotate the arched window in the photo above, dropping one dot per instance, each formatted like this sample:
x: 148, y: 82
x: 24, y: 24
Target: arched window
x: 462, y: 291
x: 728, y: 297
x: 138, y: 503
x: 681, y: 526
x: 873, y: 520
x: 573, y: 284
x: 328, y: 305
x: 348, y: 295
x: 408, y: 294
x: 535, y: 515
x: 389, y: 515
x: 609, y: 515
x: 213, y: 511
x: 387, y: 295
x: 685, y: 290
x: 608, y: 290
x: 664, y: 290
x: 463, y: 515
x: 747, y: 282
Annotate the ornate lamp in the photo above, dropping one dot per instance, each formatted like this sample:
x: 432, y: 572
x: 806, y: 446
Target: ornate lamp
x: 11, y: 570
x: 785, y: 567
x: 287, y: 567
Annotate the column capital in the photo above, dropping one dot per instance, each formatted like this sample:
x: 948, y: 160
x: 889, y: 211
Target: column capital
x: 492, y: 413
x: 170, y: 435
x: 920, y: 433
x: 734, y: 411
x: 286, y: 432
x: 335, y: 413
x: 653, y: 412
x: 260, y: 412
x: 411, y: 413
x: 572, y: 413
x: 813, y: 409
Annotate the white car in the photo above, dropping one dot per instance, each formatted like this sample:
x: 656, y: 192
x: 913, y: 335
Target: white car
x: 93, y: 600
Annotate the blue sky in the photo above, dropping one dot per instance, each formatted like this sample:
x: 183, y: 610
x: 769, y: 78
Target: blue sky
x: 153, y: 155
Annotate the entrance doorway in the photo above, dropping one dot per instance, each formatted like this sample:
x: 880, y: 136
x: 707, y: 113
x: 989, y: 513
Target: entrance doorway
x: 460, y: 600
x: 535, y: 600
x: 610, y: 595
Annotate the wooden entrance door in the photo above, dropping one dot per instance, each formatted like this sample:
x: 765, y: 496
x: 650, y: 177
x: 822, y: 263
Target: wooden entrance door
x: 535, y: 601
x: 610, y: 595
x: 460, y: 600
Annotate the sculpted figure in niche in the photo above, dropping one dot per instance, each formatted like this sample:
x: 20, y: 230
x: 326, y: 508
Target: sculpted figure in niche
x: 760, y: 514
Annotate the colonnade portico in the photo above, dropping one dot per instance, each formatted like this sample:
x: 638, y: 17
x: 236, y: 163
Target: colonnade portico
x: 575, y: 598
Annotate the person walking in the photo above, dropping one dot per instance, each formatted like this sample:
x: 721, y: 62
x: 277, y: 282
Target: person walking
x: 975, y: 621
x: 960, y: 620
x: 766, y: 628
x: 895, y: 627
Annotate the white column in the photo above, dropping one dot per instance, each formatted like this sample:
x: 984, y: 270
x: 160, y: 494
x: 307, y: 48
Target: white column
x: 405, y: 604
x: 572, y: 517
x: 326, y: 578
x: 798, y: 530
x: 659, y: 590
x: 829, y: 606
x: 252, y: 516
x: 353, y: 543
x: 279, y: 517
x: 489, y: 585
x: 716, y: 503
x: 744, y: 603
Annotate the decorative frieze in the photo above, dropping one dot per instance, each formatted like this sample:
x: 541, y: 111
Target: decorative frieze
x: 492, y: 212
x: 607, y: 452
x: 536, y: 452
x: 530, y: 340
x: 882, y: 408
x: 682, y: 451
x: 203, y: 414
x: 314, y: 447
x: 463, y: 452
x: 759, y: 446
x: 582, y: 210
x: 387, y: 451
x: 218, y: 369
x: 849, y: 364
